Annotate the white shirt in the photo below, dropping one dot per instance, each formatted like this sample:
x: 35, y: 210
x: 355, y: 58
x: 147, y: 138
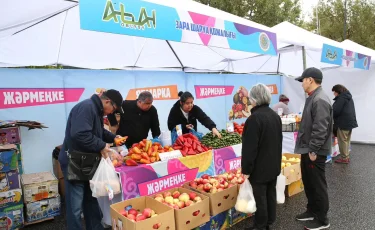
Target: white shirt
x: 186, y: 115
x: 283, y: 106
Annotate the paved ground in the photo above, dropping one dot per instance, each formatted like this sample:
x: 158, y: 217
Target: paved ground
x: 351, y: 190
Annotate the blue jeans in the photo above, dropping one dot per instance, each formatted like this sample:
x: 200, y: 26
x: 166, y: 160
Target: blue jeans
x: 78, y: 197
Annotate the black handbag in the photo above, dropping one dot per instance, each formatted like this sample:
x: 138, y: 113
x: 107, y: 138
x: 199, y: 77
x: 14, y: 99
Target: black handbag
x: 82, y: 166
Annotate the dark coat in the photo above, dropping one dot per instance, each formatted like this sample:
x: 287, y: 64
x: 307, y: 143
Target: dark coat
x: 262, y: 145
x: 176, y: 117
x: 344, y: 112
x: 85, y: 129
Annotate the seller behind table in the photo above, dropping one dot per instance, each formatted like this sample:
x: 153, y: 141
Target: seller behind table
x: 139, y: 117
x: 283, y: 104
x: 186, y: 114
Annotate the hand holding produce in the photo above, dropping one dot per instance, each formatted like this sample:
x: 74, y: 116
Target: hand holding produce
x: 215, y: 132
x: 119, y: 140
x: 227, y: 139
x: 178, y: 200
x: 189, y: 144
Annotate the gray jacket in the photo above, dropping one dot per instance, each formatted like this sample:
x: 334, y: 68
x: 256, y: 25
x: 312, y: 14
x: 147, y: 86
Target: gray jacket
x: 315, y: 132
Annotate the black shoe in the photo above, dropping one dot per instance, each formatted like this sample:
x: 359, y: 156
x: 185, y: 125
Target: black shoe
x: 306, y: 216
x: 316, y: 225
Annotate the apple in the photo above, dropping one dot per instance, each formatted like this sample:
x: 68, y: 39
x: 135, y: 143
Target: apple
x: 175, y: 201
x: 200, y: 187
x: 169, y: 200
x: 124, y: 213
x: 160, y: 199
x: 230, y: 185
x: 238, y: 175
x: 240, y: 180
x: 192, y: 195
x: 197, y: 199
x: 176, y: 194
x: 234, y: 181
x: 184, y: 197
x: 133, y: 212
x: 159, y: 195
x: 148, y: 212
x: 213, y: 180
x: 193, y: 184
x: 226, y: 184
x: 176, y: 206
x: 205, y: 176
x: 199, y: 180
x: 205, y: 181
x: 131, y: 217
x: 213, y: 190
x: 207, y: 187
x: 166, y: 194
x: 221, y: 180
x: 230, y: 177
x: 140, y: 218
x: 189, y: 203
x: 181, y: 204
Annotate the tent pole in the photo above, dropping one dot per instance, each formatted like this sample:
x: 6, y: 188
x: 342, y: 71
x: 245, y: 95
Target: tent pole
x: 304, y: 57
x: 278, y: 64
x: 178, y: 59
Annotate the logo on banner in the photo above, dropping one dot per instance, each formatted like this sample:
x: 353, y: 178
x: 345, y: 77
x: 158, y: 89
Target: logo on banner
x: 167, y: 182
x: 331, y: 56
x: 232, y: 164
x: 166, y: 92
x: 273, y: 88
x: 129, y: 20
x: 264, y: 41
x: 16, y: 98
x: 212, y: 91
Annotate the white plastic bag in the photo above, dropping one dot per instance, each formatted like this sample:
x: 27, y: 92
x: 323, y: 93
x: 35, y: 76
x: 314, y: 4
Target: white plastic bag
x: 105, y: 181
x: 245, y: 200
x: 280, y: 189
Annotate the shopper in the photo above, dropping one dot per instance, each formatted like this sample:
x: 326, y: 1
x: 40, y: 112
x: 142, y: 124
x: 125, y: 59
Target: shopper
x: 282, y: 105
x: 186, y: 114
x: 261, y: 155
x: 139, y: 117
x: 314, y: 142
x: 344, y: 120
x: 85, y: 133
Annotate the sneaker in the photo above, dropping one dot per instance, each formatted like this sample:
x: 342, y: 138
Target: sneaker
x: 342, y: 161
x: 316, y: 225
x: 306, y: 216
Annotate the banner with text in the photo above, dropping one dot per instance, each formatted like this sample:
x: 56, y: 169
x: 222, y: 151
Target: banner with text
x: 338, y: 56
x: 227, y: 159
x: 146, y: 19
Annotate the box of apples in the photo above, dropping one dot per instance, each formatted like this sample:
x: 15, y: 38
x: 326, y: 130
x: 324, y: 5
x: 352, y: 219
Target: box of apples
x: 222, y: 193
x: 191, y: 208
x: 142, y: 213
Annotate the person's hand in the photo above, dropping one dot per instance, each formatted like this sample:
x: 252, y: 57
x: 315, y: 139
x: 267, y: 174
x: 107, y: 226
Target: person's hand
x: 246, y: 176
x: 119, y: 140
x: 215, y: 132
x: 190, y: 126
x: 312, y: 156
x: 107, y: 150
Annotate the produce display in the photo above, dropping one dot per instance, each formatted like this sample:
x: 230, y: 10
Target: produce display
x: 189, y: 144
x: 145, y: 152
x: 238, y: 128
x: 286, y: 162
x: 227, y: 139
x: 136, y: 215
x: 178, y: 200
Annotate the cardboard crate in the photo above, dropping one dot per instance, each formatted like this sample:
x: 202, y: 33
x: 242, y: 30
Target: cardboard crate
x: 9, y: 181
x: 12, y: 217
x: 39, y: 186
x: 291, y: 155
x: 9, y: 136
x: 8, y: 159
x: 294, y: 188
x: 165, y: 215
x: 194, y: 215
x: 10, y: 198
x: 220, y: 201
x: 293, y: 172
x: 43, y: 209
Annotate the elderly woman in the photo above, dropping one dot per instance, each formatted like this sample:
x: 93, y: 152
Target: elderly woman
x: 344, y: 120
x: 261, y: 155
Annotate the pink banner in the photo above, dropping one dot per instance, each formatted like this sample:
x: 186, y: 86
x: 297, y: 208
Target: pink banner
x: 16, y: 98
x: 167, y: 182
x: 232, y: 164
x: 206, y: 91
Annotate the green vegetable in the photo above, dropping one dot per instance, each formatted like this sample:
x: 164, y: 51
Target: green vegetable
x: 227, y: 139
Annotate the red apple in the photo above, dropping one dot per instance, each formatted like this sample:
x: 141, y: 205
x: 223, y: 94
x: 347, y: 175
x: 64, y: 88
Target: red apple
x: 192, y: 195
x: 207, y: 187
x: 140, y: 218
x: 189, y: 203
x: 199, y: 180
x: 200, y: 187
x: 181, y: 204
x: 131, y: 217
x: 133, y: 212
x: 234, y: 181
x: 230, y: 177
x: 176, y: 194
x: 221, y: 186
x: 205, y: 181
x: 193, y: 184
x: 221, y: 180
x: 240, y: 180
x: 205, y: 176
x: 166, y: 194
x: 148, y: 212
x: 197, y: 199
x: 226, y: 184
x: 124, y: 213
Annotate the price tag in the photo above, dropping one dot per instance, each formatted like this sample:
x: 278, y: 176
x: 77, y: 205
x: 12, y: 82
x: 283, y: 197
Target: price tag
x: 230, y: 127
x: 170, y: 155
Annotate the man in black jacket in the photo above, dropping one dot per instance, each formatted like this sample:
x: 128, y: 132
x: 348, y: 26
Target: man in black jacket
x: 314, y: 142
x: 261, y: 155
x: 85, y: 133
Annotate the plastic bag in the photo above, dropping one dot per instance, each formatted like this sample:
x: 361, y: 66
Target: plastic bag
x: 197, y: 134
x: 105, y: 181
x: 280, y: 189
x: 245, y: 200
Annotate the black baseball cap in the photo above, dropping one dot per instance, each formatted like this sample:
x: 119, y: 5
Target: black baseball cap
x: 310, y: 72
x: 115, y: 97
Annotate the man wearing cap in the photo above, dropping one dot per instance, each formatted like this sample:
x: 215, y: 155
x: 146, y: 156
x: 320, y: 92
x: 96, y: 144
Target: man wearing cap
x: 314, y: 143
x: 85, y: 133
x: 282, y: 105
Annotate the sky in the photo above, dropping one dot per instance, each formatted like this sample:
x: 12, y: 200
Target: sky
x: 307, y: 6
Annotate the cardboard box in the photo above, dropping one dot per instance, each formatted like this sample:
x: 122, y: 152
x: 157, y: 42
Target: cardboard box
x: 220, y: 201
x: 9, y: 181
x: 43, y: 209
x: 12, y: 218
x: 217, y: 222
x: 10, y: 136
x: 10, y: 198
x: 293, y: 172
x: 294, y: 188
x: 165, y: 215
x: 8, y: 160
x: 187, y: 217
x: 39, y: 186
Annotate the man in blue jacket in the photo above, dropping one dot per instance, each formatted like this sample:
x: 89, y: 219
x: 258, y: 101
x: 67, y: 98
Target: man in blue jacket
x: 85, y: 133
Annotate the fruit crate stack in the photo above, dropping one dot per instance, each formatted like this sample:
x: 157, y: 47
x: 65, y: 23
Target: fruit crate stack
x: 11, y: 199
x: 41, y: 196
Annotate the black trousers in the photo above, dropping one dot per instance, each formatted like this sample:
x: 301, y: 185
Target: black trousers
x: 314, y: 180
x: 265, y: 198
